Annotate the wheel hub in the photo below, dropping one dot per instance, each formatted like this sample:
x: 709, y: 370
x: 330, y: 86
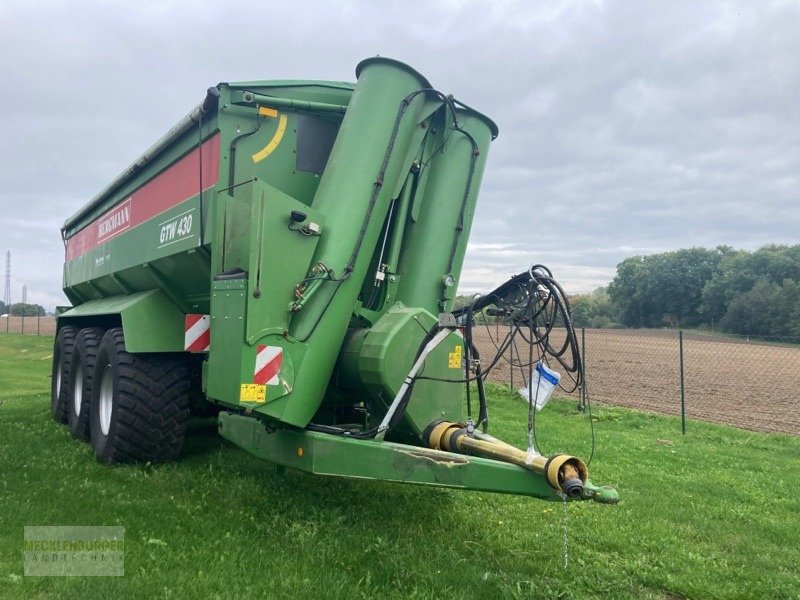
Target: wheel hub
x: 106, y: 399
x: 77, y: 395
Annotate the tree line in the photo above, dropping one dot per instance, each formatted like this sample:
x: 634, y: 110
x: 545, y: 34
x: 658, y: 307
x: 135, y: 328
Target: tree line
x: 736, y: 291
x: 20, y: 309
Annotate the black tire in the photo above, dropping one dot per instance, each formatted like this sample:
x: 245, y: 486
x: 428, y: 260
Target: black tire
x: 206, y: 410
x: 63, y: 348
x: 199, y: 406
x: 80, y: 384
x: 139, y: 404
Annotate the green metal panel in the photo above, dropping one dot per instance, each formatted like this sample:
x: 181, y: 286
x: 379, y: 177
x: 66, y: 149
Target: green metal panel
x: 227, y: 361
x: 170, y: 148
x: 325, y: 454
x: 148, y: 256
x: 216, y: 193
x: 253, y: 311
x: 257, y: 134
x: 151, y: 322
x: 355, y: 209
x: 231, y: 369
x: 251, y: 135
x: 386, y: 355
x: 309, y: 90
x: 157, y: 244
x: 236, y: 233
x: 436, y: 241
x: 138, y: 258
x: 232, y: 366
x: 280, y: 258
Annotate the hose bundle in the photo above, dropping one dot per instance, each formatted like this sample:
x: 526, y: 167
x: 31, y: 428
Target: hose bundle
x: 533, y: 304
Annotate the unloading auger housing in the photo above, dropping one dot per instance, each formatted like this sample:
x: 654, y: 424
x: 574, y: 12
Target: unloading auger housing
x: 289, y: 253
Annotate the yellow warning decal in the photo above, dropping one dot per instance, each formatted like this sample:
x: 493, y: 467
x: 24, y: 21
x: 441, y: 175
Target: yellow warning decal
x: 267, y: 112
x: 454, y: 358
x: 273, y: 143
x: 253, y: 392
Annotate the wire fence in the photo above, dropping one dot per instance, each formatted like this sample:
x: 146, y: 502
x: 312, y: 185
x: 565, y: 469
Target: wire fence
x: 29, y: 325
x: 745, y: 382
x: 751, y: 383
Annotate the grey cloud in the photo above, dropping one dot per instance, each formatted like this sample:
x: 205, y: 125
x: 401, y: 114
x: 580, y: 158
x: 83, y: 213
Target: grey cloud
x: 626, y: 127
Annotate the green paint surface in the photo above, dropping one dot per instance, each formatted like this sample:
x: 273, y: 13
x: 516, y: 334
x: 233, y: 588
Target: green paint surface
x: 327, y: 239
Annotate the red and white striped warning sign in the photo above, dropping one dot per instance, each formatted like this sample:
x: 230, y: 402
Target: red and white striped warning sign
x: 197, y: 336
x: 268, y: 365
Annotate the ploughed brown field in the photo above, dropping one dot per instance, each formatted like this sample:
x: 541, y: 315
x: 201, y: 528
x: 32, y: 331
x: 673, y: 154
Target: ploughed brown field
x: 747, y: 384
x: 28, y: 325
x: 743, y: 383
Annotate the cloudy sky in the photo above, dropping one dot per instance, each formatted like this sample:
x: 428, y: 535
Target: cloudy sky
x: 625, y: 127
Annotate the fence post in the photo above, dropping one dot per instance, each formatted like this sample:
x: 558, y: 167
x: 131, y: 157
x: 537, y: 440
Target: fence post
x: 22, y: 327
x: 511, y: 354
x: 38, y: 324
x: 683, y: 394
x: 582, y: 401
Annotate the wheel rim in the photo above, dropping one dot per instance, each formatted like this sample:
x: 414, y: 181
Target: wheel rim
x: 58, y: 377
x: 106, y: 400
x: 77, y: 395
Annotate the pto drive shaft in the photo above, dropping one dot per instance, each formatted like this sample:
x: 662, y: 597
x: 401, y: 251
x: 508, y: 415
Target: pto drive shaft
x: 566, y: 474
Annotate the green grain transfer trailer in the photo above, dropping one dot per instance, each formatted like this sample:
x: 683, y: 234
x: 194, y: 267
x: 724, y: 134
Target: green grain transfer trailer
x: 289, y: 253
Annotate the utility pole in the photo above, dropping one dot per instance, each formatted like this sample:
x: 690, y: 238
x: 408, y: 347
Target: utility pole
x: 7, y: 295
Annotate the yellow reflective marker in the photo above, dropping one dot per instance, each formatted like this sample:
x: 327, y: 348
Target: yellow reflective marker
x: 454, y: 358
x: 267, y: 112
x: 276, y: 139
x: 253, y: 392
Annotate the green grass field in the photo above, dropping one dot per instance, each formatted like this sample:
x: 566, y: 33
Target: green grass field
x: 714, y: 514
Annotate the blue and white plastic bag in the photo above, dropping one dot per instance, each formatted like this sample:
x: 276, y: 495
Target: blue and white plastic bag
x: 544, y: 380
